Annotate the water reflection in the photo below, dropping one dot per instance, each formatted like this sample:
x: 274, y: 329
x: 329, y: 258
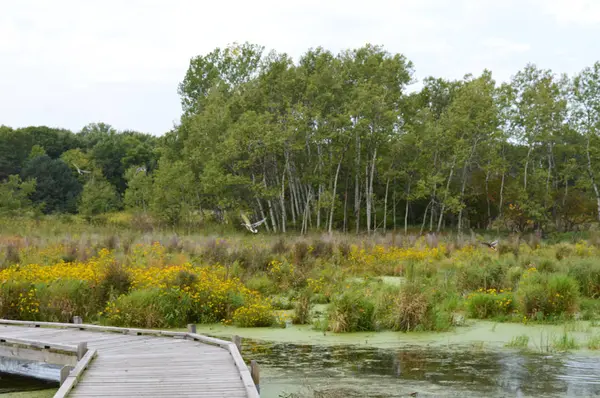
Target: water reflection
x: 12, y: 383
x: 464, y: 371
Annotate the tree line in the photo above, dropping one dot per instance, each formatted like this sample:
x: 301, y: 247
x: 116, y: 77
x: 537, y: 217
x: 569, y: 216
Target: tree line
x: 334, y: 142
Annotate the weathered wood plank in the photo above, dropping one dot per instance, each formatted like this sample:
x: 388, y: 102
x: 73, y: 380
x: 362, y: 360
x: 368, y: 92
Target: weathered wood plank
x: 75, y: 375
x: 134, y: 362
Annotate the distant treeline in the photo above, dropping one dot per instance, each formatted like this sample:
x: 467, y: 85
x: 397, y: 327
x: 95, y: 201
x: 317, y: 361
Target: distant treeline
x: 333, y: 141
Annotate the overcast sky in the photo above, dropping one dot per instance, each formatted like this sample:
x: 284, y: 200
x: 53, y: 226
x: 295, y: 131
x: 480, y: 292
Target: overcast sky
x: 66, y: 63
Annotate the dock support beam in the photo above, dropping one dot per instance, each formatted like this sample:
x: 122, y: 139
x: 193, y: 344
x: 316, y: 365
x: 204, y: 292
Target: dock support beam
x: 255, y: 373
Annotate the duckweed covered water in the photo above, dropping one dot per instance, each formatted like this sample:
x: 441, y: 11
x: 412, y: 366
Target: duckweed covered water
x: 470, y: 361
x: 290, y: 370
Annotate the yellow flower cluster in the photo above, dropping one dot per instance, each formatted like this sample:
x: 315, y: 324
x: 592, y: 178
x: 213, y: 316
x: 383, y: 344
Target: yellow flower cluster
x: 316, y: 285
x: 257, y: 314
x: 27, y: 304
x: 90, y: 271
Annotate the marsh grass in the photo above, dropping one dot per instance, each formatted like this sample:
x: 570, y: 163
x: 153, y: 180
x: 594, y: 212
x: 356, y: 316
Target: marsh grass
x: 521, y: 342
x: 438, y: 273
x: 565, y: 342
x: 593, y: 342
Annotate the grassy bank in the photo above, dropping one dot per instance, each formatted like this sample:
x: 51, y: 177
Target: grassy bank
x: 338, y: 283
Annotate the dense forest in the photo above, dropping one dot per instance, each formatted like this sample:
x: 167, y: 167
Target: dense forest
x: 331, y: 142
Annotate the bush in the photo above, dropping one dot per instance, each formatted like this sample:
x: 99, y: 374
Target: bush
x: 61, y: 300
x: 414, y: 310
x: 116, y: 281
x: 322, y: 249
x: 256, y: 314
x: 489, y: 304
x: 261, y: 283
x: 302, y: 309
x: 351, y: 311
x: 482, y: 273
x: 144, y: 308
x: 587, y: 274
x: 547, y: 296
x: 300, y: 253
x: 562, y: 251
x: 18, y: 301
x: 590, y: 309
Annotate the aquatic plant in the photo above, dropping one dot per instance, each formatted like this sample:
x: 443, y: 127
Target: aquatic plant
x: 521, y: 341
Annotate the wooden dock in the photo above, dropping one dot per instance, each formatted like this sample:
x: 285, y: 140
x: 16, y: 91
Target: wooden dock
x: 125, y: 362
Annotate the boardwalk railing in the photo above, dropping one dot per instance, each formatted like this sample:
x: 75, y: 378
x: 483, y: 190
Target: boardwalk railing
x: 57, y: 354
x: 83, y: 357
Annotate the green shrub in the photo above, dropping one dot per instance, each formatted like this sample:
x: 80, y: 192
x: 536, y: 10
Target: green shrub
x: 258, y: 314
x: 302, y: 309
x: 513, y: 276
x: 482, y: 305
x: 563, y: 251
x: 322, y: 249
x: 261, y: 283
x: 414, y: 310
x: 590, y: 309
x: 587, y: 273
x: 145, y: 308
x: 18, y: 301
x: 481, y: 273
x: 547, y: 296
x: 547, y: 265
x: 61, y: 300
x: 351, y: 311
x: 116, y: 281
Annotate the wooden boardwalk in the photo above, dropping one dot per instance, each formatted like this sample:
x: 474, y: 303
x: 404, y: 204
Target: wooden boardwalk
x: 124, y: 362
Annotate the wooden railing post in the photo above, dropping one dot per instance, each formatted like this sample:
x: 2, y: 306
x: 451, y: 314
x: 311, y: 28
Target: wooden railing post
x: 255, y: 373
x: 237, y: 340
x: 77, y: 320
x: 191, y: 327
x: 64, y: 373
x: 81, y: 350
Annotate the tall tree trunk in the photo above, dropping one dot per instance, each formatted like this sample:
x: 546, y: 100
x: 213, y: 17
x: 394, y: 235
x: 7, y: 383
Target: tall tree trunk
x: 283, y: 215
x: 501, y: 204
x: 357, y: 186
x: 439, y: 227
x: 406, y: 210
x: 394, y: 208
x: 464, y: 183
x: 370, y: 191
x: 335, y: 180
x: 367, y: 198
x: 527, y: 167
x: 345, y: 229
x: 591, y: 173
x: 273, y: 222
x: 387, y: 185
x: 487, y: 198
x: 424, y: 217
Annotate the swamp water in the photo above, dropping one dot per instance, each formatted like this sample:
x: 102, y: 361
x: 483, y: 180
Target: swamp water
x: 472, y: 361
x: 290, y: 370
x: 25, y: 387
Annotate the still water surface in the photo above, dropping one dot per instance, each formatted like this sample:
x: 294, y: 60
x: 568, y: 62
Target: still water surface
x: 356, y: 371
x: 11, y: 384
x: 362, y: 371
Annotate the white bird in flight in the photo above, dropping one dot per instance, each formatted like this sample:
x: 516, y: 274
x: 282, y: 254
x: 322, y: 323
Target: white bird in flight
x: 251, y: 227
x: 81, y: 171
